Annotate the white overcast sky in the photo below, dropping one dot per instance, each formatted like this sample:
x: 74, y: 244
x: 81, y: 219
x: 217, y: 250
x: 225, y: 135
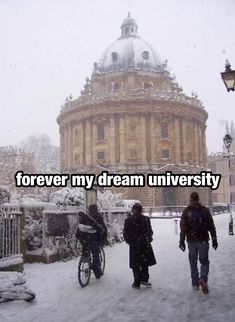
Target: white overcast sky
x: 47, y: 49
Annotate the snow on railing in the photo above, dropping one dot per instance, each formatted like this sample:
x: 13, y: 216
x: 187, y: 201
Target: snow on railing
x: 9, y: 234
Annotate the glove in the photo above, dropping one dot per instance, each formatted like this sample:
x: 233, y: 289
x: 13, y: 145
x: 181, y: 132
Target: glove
x: 214, y: 244
x: 182, y: 246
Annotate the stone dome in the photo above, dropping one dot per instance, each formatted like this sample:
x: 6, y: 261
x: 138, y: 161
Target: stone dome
x: 129, y: 52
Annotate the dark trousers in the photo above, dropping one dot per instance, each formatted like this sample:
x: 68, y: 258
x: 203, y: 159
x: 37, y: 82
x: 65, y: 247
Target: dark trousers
x: 141, y: 273
x: 94, y: 248
x: 199, y: 250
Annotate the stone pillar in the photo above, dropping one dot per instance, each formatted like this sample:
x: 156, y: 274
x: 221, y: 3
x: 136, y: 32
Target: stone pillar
x: 176, y: 139
x: 184, y: 143
x: 181, y: 141
x: 93, y: 142
x: 195, y: 144
x: 117, y: 137
x: 66, y: 147
x: 69, y: 146
x: 153, y: 141
x: 122, y: 135
x: 112, y: 139
x: 157, y: 127
x: 61, y: 149
x: 200, y: 145
x: 143, y: 138
x: 87, y: 135
x: 204, y: 159
x: 81, y: 143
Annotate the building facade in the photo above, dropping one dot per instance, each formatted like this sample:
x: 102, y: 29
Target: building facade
x: 133, y: 117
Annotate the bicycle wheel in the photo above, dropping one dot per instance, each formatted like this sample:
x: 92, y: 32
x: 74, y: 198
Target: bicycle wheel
x: 84, y: 271
x: 102, y: 260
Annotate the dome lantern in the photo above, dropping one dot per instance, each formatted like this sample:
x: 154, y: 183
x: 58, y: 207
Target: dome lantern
x: 129, y: 27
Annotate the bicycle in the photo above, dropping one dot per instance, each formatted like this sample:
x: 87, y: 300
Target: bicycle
x: 85, y: 267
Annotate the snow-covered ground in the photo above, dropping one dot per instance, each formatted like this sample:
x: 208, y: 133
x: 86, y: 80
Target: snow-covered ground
x: 61, y: 299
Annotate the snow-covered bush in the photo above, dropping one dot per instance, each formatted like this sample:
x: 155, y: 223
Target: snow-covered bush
x: 107, y: 201
x: 32, y: 233
x: 4, y: 195
x: 33, y: 228
x: 66, y: 198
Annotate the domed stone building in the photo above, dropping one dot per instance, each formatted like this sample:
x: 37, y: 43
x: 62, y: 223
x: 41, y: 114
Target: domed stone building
x: 133, y: 117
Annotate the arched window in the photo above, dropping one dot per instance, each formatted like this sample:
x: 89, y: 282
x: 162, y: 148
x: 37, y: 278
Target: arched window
x: 145, y: 54
x: 114, y: 57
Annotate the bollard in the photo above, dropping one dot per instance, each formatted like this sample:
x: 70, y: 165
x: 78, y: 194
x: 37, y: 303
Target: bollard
x: 230, y: 227
x: 176, y: 226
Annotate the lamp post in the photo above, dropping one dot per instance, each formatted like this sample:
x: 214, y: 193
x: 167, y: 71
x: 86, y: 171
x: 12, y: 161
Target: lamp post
x: 228, y: 77
x: 227, y: 140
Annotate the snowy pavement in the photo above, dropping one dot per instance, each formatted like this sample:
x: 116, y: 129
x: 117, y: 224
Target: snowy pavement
x: 61, y: 299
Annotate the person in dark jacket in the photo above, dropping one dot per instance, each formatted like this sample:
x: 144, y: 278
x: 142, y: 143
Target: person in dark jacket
x: 196, y: 224
x: 92, y: 234
x: 138, y: 234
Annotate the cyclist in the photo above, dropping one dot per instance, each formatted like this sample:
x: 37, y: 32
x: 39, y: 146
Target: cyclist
x: 92, y: 234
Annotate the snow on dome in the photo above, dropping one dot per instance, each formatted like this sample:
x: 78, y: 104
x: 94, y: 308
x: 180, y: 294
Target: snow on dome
x: 129, y: 51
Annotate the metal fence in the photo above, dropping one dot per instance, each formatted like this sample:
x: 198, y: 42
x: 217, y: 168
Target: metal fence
x: 9, y: 233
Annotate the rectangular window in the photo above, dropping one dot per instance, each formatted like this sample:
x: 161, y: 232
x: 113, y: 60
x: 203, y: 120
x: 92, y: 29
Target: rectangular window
x: 165, y: 154
x: 100, y: 155
x: 100, y: 132
x: 147, y: 85
x: 164, y: 131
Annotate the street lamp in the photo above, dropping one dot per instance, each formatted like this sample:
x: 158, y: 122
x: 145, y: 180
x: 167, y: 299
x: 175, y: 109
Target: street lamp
x: 228, y: 77
x: 227, y: 144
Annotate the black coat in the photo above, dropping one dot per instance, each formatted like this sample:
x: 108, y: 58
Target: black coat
x: 95, y: 221
x: 138, y: 234
x: 196, y: 222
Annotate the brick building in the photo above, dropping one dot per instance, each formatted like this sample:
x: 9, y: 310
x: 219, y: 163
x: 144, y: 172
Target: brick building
x: 133, y: 117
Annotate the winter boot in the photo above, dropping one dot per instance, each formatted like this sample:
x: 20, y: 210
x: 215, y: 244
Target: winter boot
x: 204, y: 286
x: 146, y: 284
x: 135, y: 285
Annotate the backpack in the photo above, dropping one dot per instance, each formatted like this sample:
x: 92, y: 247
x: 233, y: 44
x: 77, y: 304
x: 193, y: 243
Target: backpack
x: 197, y: 220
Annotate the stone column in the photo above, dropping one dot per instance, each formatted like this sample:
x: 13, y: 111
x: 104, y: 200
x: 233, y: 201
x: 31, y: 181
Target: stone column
x: 81, y: 143
x: 93, y: 142
x: 181, y: 141
x: 200, y: 147
x: 176, y: 140
x: 117, y: 137
x: 204, y: 159
x: 153, y: 141
x: 61, y: 149
x: 143, y: 138
x: 112, y: 143
x: 66, y: 147
x: 88, y: 142
x: 70, y: 146
x: 195, y: 144
x: 184, y: 143
x: 122, y: 134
